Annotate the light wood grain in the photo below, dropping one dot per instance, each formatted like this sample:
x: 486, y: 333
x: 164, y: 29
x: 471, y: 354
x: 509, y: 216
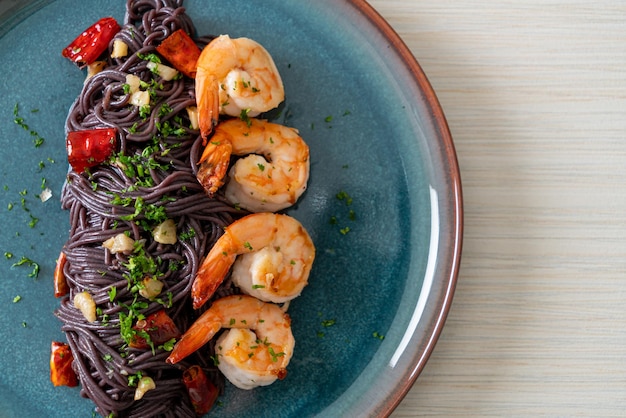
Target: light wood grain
x: 535, y: 96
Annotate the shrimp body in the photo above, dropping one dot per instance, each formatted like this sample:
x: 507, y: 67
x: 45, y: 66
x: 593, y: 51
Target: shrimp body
x: 256, y: 348
x: 272, y: 175
x: 235, y: 75
x: 276, y: 252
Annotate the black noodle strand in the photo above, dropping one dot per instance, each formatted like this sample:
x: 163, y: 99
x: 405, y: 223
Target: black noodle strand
x: 103, y: 203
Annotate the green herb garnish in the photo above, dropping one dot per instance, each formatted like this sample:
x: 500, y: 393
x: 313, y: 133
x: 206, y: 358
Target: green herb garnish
x: 38, y: 139
x: 25, y: 261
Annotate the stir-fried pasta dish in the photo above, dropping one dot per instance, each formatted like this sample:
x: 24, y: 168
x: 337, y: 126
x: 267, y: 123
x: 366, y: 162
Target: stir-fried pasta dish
x: 179, y: 267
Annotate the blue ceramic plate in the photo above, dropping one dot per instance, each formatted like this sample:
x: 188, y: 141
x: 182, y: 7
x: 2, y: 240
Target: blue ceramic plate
x: 376, y: 133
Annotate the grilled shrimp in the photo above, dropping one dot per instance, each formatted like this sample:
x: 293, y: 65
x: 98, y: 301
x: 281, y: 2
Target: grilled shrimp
x: 276, y: 258
x: 272, y: 175
x: 235, y: 75
x: 256, y: 349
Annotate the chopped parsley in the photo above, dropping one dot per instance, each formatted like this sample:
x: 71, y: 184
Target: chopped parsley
x: 38, y: 140
x: 244, y: 117
x: 168, y: 345
x: 344, y: 197
x: 139, y: 166
x: 149, y: 57
x: 328, y: 322
x: 139, y: 266
x: 185, y: 236
x: 133, y: 379
x: 168, y: 303
x: 144, y: 111
x: 127, y: 332
x: 33, y: 221
x: 145, y: 215
x: 165, y: 110
x: 25, y: 261
x: 275, y: 355
x: 112, y: 292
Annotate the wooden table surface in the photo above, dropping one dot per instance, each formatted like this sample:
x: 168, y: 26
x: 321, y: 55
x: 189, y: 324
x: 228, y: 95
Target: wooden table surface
x: 535, y: 96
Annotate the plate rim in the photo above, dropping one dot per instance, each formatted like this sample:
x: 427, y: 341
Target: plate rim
x: 409, y: 377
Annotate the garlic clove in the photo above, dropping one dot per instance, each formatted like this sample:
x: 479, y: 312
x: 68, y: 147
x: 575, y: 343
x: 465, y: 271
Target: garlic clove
x: 86, y: 305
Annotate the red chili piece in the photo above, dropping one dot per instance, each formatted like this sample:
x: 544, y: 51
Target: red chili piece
x: 181, y: 51
x: 90, y: 44
x: 61, y: 288
x: 90, y: 148
x: 61, y: 372
x: 202, y: 392
x: 159, y: 327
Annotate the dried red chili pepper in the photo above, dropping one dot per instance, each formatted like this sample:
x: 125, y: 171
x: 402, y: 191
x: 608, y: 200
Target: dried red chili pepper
x: 181, y: 51
x: 159, y: 326
x: 60, y: 283
x: 61, y: 372
x: 90, y: 147
x: 202, y: 392
x: 90, y: 44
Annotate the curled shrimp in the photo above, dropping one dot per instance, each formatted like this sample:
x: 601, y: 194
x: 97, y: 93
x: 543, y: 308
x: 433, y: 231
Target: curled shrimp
x: 274, y: 172
x: 235, y: 75
x: 277, y: 255
x: 256, y: 349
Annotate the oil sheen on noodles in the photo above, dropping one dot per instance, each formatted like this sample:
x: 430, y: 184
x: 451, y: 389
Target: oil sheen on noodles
x: 110, y: 199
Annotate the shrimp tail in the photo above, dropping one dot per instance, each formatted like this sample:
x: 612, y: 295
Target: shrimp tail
x: 210, y: 275
x: 201, y: 332
x: 214, y: 164
x: 208, y: 100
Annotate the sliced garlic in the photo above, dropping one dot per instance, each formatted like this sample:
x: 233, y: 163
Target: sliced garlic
x: 145, y: 384
x: 133, y: 82
x: 121, y: 243
x: 192, y: 112
x: 86, y: 305
x: 151, y: 288
x: 120, y: 49
x: 140, y: 98
x: 94, y: 68
x: 166, y: 73
x: 45, y: 195
x: 165, y: 232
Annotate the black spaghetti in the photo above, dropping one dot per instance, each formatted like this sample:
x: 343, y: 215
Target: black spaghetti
x: 149, y: 179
